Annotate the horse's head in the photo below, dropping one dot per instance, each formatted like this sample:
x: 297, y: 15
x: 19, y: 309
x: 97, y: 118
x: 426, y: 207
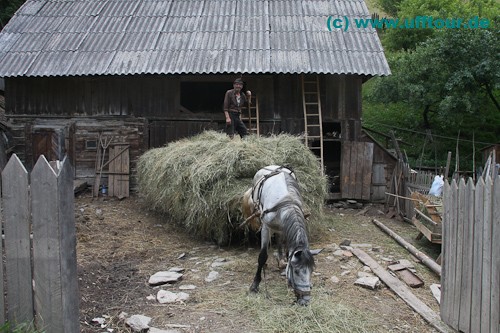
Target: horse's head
x: 298, y: 272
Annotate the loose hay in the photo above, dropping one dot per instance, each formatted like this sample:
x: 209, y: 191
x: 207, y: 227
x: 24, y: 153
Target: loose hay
x: 200, y: 181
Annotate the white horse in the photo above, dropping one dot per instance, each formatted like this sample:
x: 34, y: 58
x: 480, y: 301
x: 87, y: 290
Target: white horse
x: 275, y: 195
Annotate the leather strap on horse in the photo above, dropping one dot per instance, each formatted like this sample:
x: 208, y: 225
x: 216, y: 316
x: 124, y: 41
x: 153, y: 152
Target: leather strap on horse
x: 279, y: 205
x: 263, y: 179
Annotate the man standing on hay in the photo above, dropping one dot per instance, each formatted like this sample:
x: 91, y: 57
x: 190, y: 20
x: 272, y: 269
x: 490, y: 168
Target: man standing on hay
x: 234, y: 101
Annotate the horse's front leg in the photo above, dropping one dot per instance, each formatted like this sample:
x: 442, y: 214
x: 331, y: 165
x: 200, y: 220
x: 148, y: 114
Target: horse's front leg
x: 262, y: 260
x: 281, y: 246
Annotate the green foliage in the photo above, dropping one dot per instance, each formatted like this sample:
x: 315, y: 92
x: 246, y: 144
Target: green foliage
x: 452, y: 75
x: 20, y: 328
x: 7, y: 10
x: 408, y: 39
x: 449, y: 84
x: 391, y: 7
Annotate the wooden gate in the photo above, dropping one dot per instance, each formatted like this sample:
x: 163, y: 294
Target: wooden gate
x: 41, y: 282
x: 356, y: 170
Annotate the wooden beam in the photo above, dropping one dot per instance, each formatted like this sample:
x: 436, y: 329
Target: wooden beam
x: 413, y: 250
x: 403, y: 291
x: 427, y: 218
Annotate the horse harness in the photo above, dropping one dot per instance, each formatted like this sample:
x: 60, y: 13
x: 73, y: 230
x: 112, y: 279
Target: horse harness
x: 259, y: 186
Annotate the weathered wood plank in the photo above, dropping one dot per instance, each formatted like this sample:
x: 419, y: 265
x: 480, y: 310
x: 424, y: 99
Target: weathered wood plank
x: 353, y: 169
x: 2, y: 300
x: 467, y: 253
x: 358, y: 172
x: 112, y: 178
x: 495, y: 277
x: 68, y: 276
x: 487, y: 257
x: 477, y: 257
x: 366, y: 176
x: 449, y: 287
x: 458, y: 253
x: 125, y: 179
x: 17, y: 241
x: 345, y: 168
x: 54, y: 248
x: 403, y: 291
x: 46, y: 246
x: 445, y: 252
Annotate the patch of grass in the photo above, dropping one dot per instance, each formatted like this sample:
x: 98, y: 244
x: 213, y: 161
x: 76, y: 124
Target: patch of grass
x: 20, y: 328
x: 277, y: 314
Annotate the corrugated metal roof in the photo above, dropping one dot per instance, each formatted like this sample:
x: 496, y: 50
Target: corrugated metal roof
x: 122, y: 37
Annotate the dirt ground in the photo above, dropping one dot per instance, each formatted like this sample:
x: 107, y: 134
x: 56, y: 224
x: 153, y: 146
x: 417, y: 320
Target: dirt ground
x: 120, y: 244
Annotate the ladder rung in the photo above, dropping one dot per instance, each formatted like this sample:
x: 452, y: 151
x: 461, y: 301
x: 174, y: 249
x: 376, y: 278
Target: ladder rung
x: 313, y: 136
x: 310, y: 92
x: 312, y: 114
x: 310, y: 81
x: 311, y: 103
x: 313, y: 125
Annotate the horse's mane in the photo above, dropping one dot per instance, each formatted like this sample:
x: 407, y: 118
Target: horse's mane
x: 294, y: 225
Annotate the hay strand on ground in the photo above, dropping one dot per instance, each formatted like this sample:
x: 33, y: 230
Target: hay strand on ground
x: 200, y: 181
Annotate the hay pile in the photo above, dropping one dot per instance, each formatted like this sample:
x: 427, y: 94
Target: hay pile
x: 200, y: 181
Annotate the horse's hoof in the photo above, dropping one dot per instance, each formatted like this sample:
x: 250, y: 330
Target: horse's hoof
x: 303, y: 302
x: 254, y: 289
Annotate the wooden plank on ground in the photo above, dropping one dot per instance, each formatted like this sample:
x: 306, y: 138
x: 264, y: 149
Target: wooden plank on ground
x: 495, y: 277
x: 17, y: 242
x: 54, y: 248
x: 477, y: 257
x: 403, y: 291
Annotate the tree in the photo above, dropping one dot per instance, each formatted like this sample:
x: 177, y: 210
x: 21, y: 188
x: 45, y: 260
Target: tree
x: 453, y: 74
x: 408, y: 39
x: 7, y: 10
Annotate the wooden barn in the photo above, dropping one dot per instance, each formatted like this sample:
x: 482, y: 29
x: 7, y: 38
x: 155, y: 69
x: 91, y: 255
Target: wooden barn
x: 137, y: 74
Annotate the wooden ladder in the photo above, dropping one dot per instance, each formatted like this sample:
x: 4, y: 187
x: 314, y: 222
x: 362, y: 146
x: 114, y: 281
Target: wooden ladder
x: 313, y: 134
x: 251, y: 117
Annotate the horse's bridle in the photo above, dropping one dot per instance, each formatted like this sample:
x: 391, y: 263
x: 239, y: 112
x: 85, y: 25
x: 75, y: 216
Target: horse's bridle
x: 289, y: 275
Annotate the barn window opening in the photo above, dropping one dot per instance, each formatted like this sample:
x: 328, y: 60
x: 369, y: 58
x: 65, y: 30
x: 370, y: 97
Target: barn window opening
x: 204, y: 97
x: 91, y: 144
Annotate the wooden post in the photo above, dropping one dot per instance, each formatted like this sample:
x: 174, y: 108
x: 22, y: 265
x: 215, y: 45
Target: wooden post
x: 17, y: 242
x: 448, y: 161
x: 54, y: 248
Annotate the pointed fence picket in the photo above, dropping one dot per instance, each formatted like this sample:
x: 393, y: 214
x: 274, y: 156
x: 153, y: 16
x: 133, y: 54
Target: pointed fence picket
x: 470, y: 280
x: 41, y: 204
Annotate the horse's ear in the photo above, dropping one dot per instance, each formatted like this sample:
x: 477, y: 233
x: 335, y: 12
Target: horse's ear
x: 315, y: 252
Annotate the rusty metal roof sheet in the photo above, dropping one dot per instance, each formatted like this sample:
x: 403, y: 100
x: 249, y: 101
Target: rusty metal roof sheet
x: 126, y: 37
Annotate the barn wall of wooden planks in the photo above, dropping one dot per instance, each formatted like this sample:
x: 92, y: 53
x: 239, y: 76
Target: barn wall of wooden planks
x: 470, y: 281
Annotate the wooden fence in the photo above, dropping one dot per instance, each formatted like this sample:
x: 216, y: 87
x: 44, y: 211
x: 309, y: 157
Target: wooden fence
x: 470, y: 281
x: 40, y: 279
